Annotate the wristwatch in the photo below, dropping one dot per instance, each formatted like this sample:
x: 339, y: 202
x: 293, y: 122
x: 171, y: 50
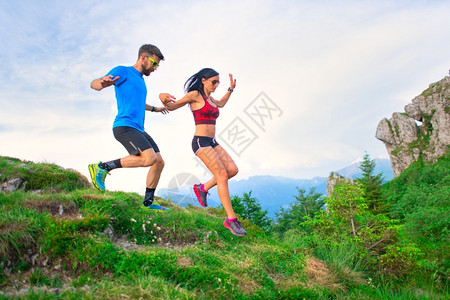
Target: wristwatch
x: 230, y: 89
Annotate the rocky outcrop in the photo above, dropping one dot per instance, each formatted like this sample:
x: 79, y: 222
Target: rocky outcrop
x: 336, y: 179
x: 422, y: 131
x: 12, y: 185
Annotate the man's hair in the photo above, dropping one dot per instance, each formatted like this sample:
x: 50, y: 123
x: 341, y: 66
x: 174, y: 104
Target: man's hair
x: 150, y: 50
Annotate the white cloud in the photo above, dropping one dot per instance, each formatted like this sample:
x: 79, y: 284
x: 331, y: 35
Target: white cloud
x: 335, y: 69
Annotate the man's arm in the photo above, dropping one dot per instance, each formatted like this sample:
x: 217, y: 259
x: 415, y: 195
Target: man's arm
x: 100, y: 83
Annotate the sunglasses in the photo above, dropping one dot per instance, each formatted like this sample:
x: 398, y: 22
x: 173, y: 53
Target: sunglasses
x: 154, y: 63
x: 214, y: 82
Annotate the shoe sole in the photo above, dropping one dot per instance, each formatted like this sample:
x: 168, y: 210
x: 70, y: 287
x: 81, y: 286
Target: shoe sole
x: 197, y: 193
x: 225, y: 224
x: 153, y: 209
x: 94, y: 182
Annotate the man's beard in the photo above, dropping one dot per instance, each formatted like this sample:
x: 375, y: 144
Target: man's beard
x: 146, y: 72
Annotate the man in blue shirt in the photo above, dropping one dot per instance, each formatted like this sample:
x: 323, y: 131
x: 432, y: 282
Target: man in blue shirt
x: 128, y: 128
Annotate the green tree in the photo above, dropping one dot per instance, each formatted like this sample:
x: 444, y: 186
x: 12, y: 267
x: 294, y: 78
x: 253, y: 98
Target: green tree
x: 250, y: 208
x: 348, y: 218
x: 371, y: 184
x: 346, y: 203
x: 305, y: 205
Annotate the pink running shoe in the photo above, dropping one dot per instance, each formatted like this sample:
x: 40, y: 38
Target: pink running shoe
x: 201, y: 194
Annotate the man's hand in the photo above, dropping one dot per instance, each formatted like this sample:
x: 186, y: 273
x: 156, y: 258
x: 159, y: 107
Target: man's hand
x: 101, y: 83
x: 108, y: 80
x: 162, y: 110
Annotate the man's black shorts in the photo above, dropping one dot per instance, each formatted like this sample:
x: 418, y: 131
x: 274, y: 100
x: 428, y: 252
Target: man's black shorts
x: 133, y: 139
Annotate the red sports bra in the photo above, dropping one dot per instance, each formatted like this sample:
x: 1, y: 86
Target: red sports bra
x: 207, y: 114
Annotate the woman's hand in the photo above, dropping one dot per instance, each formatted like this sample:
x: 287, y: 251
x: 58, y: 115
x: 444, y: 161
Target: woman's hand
x: 232, y: 82
x: 166, y: 98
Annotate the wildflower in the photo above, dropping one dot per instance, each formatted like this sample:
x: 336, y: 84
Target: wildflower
x: 133, y: 220
x: 143, y: 227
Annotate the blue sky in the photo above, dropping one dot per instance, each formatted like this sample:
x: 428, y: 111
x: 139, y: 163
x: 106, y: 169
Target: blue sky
x: 330, y: 70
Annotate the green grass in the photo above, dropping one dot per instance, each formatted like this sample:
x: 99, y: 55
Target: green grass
x: 62, y: 239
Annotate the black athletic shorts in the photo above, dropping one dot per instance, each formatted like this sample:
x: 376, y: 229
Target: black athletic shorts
x: 133, y: 139
x: 202, y: 142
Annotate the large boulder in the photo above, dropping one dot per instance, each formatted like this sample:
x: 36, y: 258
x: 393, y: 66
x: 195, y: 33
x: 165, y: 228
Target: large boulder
x: 422, y: 131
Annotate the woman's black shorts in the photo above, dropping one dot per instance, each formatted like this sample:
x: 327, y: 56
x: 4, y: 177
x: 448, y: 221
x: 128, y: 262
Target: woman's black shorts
x: 202, y: 142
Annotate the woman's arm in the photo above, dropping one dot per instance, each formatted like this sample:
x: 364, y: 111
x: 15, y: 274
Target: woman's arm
x: 170, y: 103
x: 224, y: 100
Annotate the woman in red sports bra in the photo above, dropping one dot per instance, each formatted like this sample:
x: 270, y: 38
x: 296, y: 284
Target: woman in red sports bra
x: 205, y: 110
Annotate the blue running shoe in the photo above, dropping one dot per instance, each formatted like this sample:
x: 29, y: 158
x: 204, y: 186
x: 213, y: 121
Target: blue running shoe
x: 98, y: 176
x: 155, y: 207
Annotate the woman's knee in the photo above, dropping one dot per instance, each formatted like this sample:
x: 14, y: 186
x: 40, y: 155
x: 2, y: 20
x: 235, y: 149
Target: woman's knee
x: 232, y: 171
x: 221, y: 174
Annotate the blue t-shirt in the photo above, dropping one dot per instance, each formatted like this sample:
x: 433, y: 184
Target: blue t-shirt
x: 131, y: 95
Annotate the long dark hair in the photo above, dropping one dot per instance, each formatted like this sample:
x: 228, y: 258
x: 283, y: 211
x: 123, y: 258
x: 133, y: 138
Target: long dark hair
x: 194, y: 83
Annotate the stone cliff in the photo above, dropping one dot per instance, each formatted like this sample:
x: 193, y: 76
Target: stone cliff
x: 422, y: 131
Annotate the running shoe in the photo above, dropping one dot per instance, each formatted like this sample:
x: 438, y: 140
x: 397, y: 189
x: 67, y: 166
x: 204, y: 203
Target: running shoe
x: 154, y: 207
x: 201, y: 195
x: 98, y: 176
x: 235, y: 227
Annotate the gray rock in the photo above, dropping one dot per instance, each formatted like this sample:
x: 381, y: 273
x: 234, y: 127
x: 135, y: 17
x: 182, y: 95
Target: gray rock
x: 335, y: 179
x: 413, y: 111
x: 12, y: 185
x: 406, y: 140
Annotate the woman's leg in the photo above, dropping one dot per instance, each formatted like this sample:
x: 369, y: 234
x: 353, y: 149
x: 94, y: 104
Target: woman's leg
x: 228, y: 163
x: 213, y: 162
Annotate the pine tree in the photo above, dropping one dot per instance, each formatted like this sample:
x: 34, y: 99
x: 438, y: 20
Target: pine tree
x: 250, y: 208
x: 372, y: 185
x: 305, y: 205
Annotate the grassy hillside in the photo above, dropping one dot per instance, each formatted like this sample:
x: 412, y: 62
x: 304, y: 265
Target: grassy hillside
x: 61, y: 238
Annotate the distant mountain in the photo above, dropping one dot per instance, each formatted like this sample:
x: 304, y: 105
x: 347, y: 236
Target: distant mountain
x: 381, y: 166
x: 272, y: 192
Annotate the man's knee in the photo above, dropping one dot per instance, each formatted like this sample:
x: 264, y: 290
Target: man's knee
x: 149, y: 160
x: 160, y: 163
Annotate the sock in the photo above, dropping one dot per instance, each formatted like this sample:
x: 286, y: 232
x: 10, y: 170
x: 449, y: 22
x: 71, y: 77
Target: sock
x: 231, y: 220
x: 111, y: 165
x: 149, y: 195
